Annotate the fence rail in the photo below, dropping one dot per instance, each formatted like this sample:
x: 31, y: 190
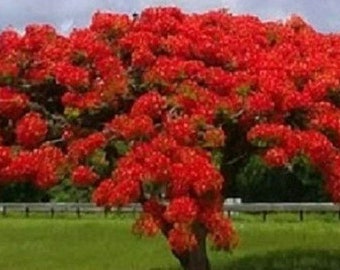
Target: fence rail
x: 229, y: 208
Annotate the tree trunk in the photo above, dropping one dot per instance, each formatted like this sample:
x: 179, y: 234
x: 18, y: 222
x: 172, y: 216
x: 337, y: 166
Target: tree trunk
x: 196, y: 259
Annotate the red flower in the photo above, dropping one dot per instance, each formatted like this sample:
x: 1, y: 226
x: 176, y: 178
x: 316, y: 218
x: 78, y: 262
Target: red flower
x: 5, y: 156
x: 182, y: 130
x: 71, y: 76
x: 43, y: 166
x: 142, y: 58
x: 276, y: 157
x: 83, y: 176
x: 46, y: 176
x: 110, y: 25
x: 12, y: 103
x: 156, y: 167
x: 101, y: 194
x: 151, y: 104
x: 126, y: 191
x: 181, y: 239
x: 221, y: 231
x: 51, y: 166
x: 81, y: 148
x: 181, y: 210
x: 214, y: 137
x: 155, y: 208
x: 132, y: 127
x: 22, y: 167
x: 145, y: 225
x: 31, y: 130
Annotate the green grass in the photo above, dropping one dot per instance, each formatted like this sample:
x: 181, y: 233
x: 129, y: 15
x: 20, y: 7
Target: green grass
x: 96, y: 243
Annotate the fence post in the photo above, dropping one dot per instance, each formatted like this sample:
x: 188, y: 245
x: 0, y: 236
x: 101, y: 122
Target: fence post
x: 232, y: 201
x: 134, y: 210
x: 52, y: 212
x: 27, y: 211
x: 78, y: 210
x: 106, y: 211
x: 301, y: 215
x: 264, y: 216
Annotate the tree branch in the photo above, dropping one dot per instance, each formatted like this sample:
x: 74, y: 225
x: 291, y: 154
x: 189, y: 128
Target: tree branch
x: 37, y: 107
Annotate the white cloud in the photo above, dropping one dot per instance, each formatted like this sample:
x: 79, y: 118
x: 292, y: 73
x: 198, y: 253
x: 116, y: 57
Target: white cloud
x: 66, y: 26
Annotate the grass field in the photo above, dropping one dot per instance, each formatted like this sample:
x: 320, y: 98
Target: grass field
x: 281, y: 243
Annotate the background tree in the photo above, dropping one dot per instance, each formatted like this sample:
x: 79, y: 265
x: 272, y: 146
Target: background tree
x: 164, y: 108
x: 257, y: 182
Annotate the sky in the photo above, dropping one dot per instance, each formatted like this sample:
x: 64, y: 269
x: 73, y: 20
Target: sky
x: 68, y: 14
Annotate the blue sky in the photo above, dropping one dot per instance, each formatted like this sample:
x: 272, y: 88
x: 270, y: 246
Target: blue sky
x: 66, y: 14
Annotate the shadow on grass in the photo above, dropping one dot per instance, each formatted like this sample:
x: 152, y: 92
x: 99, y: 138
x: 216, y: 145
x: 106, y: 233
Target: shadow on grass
x: 295, y: 259
x: 286, y: 260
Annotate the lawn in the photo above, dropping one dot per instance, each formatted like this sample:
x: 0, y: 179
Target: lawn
x: 96, y: 243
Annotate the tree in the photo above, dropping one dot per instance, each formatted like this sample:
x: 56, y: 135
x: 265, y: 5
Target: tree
x: 256, y: 182
x: 163, y: 108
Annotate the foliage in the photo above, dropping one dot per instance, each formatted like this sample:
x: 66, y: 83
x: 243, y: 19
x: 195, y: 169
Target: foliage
x: 258, y: 183
x: 22, y: 192
x: 141, y: 108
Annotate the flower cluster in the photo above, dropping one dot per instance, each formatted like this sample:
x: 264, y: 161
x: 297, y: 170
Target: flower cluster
x: 80, y: 148
x: 221, y: 231
x: 5, y: 156
x: 151, y: 104
x: 131, y: 127
x: 31, y: 130
x: 182, y: 210
x: 43, y: 166
x: 12, y: 103
x: 145, y: 225
x: 181, y: 239
x: 83, y: 176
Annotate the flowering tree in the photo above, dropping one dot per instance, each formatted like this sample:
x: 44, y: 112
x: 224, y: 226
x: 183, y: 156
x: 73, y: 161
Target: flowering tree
x: 163, y: 108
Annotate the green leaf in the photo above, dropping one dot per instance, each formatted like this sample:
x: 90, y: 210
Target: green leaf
x: 99, y: 162
x: 243, y: 90
x: 71, y: 113
x: 217, y: 157
x: 122, y: 147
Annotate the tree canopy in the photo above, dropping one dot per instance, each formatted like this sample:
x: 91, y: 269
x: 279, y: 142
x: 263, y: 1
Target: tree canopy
x: 163, y: 108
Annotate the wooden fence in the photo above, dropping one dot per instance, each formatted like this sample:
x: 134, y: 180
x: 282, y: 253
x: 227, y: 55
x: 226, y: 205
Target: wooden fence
x: 230, y: 208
